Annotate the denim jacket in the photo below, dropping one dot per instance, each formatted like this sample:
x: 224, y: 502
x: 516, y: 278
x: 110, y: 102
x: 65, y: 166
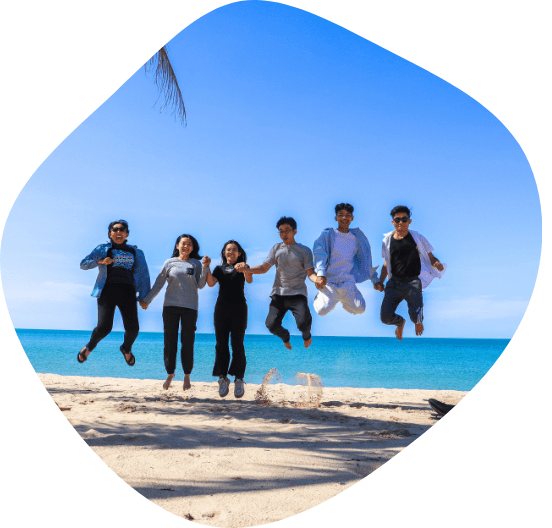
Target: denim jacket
x: 428, y: 272
x: 140, y: 270
x: 362, y: 262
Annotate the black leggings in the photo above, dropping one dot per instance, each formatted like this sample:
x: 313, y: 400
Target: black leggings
x: 122, y: 296
x: 299, y: 308
x: 173, y: 317
x: 230, y: 322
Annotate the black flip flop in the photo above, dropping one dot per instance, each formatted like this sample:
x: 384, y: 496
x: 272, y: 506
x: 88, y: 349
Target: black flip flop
x: 440, y: 407
x: 131, y: 360
x: 81, y: 356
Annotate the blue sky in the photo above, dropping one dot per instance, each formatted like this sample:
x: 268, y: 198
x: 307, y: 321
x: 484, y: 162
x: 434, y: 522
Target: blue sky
x: 287, y: 114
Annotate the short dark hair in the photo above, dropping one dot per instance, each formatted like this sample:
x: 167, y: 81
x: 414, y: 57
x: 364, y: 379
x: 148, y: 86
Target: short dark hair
x: 195, y: 252
x: 241, y: 258
x: 400, y: 209
x: 346, y: 206
x: 115, y: 222
x: 286, y: 220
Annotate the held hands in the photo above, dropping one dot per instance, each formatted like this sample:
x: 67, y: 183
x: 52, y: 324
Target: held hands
x: 106, y: 261
x: 438, y: 265
x: 206, y: 262
x: 379, y: 286
x: 143, y: 305
x: 320, y: 282
x: 241, y: 267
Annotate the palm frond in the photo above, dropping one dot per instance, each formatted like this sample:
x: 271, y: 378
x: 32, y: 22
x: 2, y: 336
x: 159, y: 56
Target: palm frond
x: 167, y: 83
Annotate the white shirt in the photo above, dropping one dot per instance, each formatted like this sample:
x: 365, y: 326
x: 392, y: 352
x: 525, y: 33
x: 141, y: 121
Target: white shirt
x: 344, y: 248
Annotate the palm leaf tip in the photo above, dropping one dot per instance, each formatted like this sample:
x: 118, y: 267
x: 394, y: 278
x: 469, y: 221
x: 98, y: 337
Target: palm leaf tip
x: 167, y: 84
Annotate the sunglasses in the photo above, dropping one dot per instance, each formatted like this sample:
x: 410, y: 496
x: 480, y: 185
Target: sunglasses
x: 117, y: 229
x: 399, y: 219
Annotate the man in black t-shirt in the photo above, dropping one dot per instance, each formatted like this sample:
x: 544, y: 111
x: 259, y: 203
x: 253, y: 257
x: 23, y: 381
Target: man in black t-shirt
x: 411, y: 266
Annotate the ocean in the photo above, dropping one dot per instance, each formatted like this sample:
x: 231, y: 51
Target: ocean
x: 413, y: 363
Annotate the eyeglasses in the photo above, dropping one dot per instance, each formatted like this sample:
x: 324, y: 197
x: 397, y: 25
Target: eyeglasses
x: 285, y: 231
x: 117, y: 229
x: 399, y: 219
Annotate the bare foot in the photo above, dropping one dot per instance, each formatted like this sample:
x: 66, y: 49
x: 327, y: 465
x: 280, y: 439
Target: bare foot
x: 308, y: 342
x: 187, y: 384
x: 167, y: 383
x: 399, y: 331
x: 288, y: 345
x: 419, y: 327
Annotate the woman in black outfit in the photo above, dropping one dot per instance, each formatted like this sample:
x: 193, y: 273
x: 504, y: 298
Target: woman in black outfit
x: 230, y: 318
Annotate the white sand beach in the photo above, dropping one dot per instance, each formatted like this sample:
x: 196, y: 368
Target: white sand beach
x: 236, y: 463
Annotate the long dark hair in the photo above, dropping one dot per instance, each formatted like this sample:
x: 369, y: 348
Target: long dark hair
x: 241, y: 258
x: 195, y: 252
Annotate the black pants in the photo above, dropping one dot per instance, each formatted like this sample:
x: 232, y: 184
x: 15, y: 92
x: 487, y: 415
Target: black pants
x: 173, y: 317
x: 299, y: 308
x: 398, y: 291
x: 230, y: 322
x: 122, y: 296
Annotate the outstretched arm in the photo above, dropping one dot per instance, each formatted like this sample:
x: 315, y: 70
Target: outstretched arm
x: 242, y: 267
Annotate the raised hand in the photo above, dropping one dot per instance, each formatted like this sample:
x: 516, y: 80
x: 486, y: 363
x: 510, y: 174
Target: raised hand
x: 206, y: 261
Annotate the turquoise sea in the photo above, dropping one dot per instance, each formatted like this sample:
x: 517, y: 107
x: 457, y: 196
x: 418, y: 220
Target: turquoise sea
x: 413, y: 363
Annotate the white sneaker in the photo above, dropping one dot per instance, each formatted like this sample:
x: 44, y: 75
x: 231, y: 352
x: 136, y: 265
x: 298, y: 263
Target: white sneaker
x: 239, y: 388
x: 224, y: 387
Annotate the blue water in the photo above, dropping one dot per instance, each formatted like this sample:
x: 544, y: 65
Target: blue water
x: 413, y: 363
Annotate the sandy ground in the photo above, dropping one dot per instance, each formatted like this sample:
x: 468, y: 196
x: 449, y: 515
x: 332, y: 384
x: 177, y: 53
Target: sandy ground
x: 237, y: 463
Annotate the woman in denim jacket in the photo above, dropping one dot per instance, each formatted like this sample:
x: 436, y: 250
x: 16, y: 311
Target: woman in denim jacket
x: 123, y: 280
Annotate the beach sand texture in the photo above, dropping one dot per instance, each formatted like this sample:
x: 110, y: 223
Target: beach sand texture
x: 235, y: 463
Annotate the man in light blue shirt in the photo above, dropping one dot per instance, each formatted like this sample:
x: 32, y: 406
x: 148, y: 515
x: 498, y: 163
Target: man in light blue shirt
x: 343, y: 258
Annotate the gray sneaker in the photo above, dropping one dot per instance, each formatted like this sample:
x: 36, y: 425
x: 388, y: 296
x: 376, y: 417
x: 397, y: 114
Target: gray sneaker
x: 224, y: 387
x: 239, y: 388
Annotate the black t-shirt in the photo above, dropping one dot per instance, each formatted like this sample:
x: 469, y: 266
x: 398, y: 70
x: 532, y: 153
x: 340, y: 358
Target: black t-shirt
x: 405, y: 259
x: 121, y: 270
x: 231, y: 284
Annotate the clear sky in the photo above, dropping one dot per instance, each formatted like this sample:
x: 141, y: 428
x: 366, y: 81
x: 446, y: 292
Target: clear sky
x: 288, y: 114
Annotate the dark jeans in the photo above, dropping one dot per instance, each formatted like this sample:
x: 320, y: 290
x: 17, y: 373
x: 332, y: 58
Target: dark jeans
x: 230, y: 323
x: 173, y: 317
x: 398, y: 291
x: 122, y: 296
x: 299, y: 308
